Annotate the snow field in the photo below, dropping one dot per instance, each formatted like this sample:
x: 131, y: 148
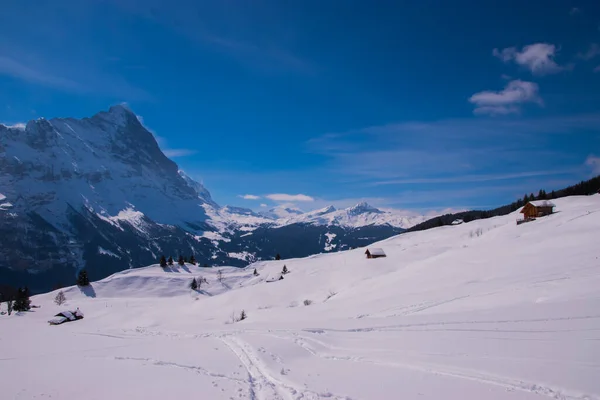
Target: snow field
x: 511, y: 314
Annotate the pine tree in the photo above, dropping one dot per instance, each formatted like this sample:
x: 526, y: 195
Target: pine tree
x: 552, y: 195
x: 163, y: 262
x: 531, y: 197
x: 525, y: 199
x: 284, y: 270
x: 194, y: 284
x: 243, y: 315
x: 10, y: 306
x: 60, y: 298
x: 277, y: 257
x: 181, y: 261
x: 192, y: 260
x: 82, y: 278
x: 170, y: 261
x: 22, y: 303
x: 255, y: 272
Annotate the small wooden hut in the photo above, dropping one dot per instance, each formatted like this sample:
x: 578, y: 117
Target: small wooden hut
x: 538, y: 208
x: 375, y: 252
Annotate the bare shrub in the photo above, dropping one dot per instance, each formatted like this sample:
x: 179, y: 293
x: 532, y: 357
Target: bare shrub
x: 331, y: 294
x: 60, y: 298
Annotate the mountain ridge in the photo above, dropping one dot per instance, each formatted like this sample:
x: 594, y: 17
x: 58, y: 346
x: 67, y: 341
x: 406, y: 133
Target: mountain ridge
x: 98, y: 192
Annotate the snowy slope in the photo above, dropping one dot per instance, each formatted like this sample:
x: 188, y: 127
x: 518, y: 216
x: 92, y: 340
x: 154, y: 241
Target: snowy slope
x: 482, y: 310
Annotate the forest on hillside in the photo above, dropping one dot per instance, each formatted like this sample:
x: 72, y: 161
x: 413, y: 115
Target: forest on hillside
x: 583, y: 188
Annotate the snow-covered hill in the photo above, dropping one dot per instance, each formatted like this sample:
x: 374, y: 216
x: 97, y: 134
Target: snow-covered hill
x: 99, y: 193
x: 482, y: 310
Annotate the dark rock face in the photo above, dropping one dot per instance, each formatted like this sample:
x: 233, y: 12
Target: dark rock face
x: 99, y: 193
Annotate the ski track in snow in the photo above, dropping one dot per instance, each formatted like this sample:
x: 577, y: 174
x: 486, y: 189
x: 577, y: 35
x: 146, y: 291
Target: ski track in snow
x: 477, y: 376
x: 192, y: 368
x: 263, y: 384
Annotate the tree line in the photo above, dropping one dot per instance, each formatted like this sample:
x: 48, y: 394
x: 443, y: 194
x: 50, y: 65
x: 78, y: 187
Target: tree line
x: 582, y: 188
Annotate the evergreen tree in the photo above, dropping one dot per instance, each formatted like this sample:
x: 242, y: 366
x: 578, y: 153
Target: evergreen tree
x: 170, y: 261
x: 163, y: 262
x: 181, y: 261
x: 10, y: 306
x: 277, y: 257
x: 243, y: 315
x: 255, y: 272
x: 192, y: 260
x: 531, y: 197
x: 60, y: 298
x: 194, y: 284
x: 552, y: 195
x: 525, y: 199
x: 22, y: 303
x: 284, y: 270
x: 82, y: 278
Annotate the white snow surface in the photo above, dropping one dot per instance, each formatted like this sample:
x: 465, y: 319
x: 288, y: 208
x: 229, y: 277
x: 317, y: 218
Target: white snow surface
x: 513, y: 313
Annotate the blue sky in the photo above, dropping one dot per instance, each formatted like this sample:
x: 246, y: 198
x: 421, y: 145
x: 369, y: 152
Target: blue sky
x: 413, y: 105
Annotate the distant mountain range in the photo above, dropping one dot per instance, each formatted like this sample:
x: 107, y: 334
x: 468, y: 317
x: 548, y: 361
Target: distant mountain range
x: 99, y: 193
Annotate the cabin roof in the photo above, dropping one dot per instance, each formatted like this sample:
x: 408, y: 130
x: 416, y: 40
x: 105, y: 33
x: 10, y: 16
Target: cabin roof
x: 542, y: 203
x: 376, y: 251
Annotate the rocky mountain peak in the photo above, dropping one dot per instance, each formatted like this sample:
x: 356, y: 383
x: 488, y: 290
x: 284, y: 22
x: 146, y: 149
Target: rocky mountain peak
x: 363, y: 207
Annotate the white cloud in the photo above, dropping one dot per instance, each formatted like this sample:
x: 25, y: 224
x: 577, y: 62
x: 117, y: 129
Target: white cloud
x: 592, y: 52
x: 538, y: 58
x: 263, y: 205
x: 506, y: 101
x: 289, y: 197
x: 15, y: 69
x: 178, y: 152
x: 249, y: 197
x: 475, y: 178
x: 18, y: 125
x: 594, y: 163
x: 162, y: 143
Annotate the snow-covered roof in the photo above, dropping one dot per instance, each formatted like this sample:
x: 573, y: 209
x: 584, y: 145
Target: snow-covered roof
x: 542, y: 203
x: 376, y: 251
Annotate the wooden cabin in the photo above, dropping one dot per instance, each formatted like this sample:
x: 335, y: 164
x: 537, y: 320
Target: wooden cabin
x: 375, y: 252
x: 538, y: 208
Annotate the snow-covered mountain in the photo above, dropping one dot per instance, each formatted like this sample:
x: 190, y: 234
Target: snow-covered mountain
x: 511, y: 313
x: 357, y: 216
x: 99, y: 192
